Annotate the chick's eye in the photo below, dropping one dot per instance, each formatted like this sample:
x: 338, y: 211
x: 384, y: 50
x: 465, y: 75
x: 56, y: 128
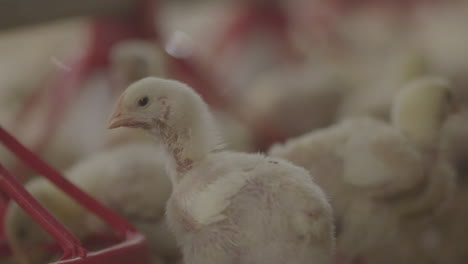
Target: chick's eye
x: 143, y: 101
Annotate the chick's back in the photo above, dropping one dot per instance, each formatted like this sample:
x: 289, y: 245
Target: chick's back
x: 255, y: 208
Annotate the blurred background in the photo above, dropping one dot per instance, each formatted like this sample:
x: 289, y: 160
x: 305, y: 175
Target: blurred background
x: 270, y: 70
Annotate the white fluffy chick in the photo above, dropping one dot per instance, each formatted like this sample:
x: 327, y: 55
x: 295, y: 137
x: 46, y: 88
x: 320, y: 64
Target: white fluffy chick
x: 377, y: 173
x: 227, y: 207
x: 130, y: 179
x: 294, y: 100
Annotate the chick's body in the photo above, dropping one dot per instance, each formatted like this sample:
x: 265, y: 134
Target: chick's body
x: 328, y: 153
x: 254, y: 209
x: 353, y: 172
x: 381, y: 177
x: 295, y: 100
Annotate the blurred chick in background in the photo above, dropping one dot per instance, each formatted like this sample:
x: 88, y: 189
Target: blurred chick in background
x: 380, y: 176
x: 24, y: 71
x: 293, y: 100
x: 94, y: 101
x: 130, y: 179
x: 375, y: 96
x: 131, y: 60
x: 135, y: 59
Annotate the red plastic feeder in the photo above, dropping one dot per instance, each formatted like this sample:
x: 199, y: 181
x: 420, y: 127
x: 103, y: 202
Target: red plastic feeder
x: 133, y: 249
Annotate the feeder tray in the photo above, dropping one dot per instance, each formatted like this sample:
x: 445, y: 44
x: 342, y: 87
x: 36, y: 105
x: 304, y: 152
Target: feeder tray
x: 133, y: 249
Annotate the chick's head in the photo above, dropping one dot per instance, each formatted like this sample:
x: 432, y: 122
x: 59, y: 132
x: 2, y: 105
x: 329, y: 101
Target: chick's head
x: 421, y: 108
x: 27, y: 240
x: 154, y: 103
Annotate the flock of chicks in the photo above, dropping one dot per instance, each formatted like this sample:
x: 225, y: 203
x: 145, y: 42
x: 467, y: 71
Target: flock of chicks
x: 365, y: 175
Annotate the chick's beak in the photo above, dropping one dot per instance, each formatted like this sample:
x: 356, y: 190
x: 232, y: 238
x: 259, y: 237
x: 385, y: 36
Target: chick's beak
x: 118, y: 119
x: 122, y: 119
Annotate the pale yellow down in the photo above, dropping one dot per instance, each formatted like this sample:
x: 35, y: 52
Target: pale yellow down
x: 421, y: 107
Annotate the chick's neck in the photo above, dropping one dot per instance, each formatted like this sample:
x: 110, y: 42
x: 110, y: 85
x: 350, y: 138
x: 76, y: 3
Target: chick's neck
x: 176, y: 143
x: 186, y: 146
x: 188, y: 132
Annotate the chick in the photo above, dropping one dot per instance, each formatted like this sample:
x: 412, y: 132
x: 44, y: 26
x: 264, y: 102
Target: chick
x: 27, y: 240
x: 25, y: 71
x: 129, y: 59
x: 379, y: 174
x: 292, y: 101
x: 132, y: 60
x: 136, y: 59
x: 227, y: 207
x: 375, y: 97
x: 130, y: 179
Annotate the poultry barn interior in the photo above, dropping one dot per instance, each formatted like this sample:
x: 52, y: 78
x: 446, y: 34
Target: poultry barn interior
x: 234, y: 132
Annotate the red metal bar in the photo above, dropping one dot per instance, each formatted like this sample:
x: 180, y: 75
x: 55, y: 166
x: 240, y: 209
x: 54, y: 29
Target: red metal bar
x: 69, y: 243
x: 41, y: 167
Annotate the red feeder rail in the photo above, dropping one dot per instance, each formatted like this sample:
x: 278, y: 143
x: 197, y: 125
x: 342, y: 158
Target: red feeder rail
x: 133, y: 249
